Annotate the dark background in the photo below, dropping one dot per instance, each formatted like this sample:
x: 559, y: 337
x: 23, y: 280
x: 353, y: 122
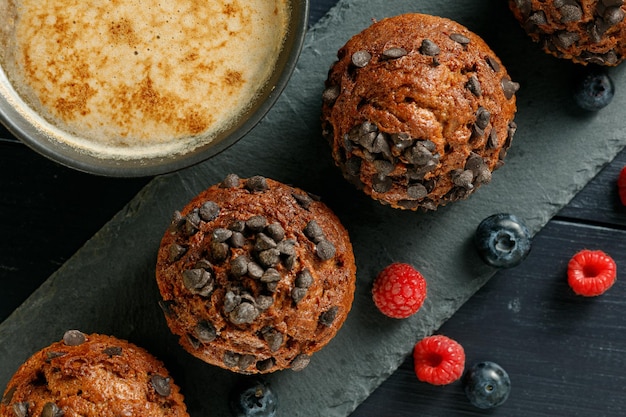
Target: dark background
x: 566, y: 355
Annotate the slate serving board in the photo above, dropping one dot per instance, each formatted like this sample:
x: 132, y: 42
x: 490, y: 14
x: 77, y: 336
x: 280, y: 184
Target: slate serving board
x: 108, y: 286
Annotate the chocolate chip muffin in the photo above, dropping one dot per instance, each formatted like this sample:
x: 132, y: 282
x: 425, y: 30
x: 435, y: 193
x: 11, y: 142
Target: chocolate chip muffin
x: 92, y: 376
x: 418, y: 111
x: 585, y: 31
x: 255, y: 275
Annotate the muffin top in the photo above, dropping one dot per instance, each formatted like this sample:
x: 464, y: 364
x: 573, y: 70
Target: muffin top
x: 255, y: 275
x: 418, y: 111
x: 92, y: 376
x: 584, y: 31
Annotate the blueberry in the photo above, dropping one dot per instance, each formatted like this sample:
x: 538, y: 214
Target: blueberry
x: 594, y: 89
x: 486, y: 385
x: 502, y: 240
x: 253, y: 398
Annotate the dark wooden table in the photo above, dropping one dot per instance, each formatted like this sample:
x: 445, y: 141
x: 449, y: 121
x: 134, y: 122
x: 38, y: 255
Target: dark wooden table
x: 566, y: 355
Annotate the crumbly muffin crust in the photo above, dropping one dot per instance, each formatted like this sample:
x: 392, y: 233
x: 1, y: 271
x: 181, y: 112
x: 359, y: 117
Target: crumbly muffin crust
x: 92, y: 376
x: 418, y: 111
x: 255, y: 275
x: 584, y: 31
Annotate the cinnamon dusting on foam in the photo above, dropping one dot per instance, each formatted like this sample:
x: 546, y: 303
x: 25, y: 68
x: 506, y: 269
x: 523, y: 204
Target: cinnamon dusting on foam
x: 141, y: 78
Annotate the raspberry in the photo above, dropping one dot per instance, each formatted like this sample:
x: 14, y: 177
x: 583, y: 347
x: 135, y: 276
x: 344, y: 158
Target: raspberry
x: 399, y: 290
x: 438, y: 360
x: 591, y: 273
x: 621, y: 185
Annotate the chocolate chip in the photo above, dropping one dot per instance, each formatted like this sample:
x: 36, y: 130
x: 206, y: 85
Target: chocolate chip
x: 304, y: 200
x: 394, y: 53
x: 473, y: 85
x: 458, y: 38
x: 176, y: 252
x: 113, y: 351
x: 304, y: 279
x: 265, y: 365
x: 483, y: 117
x: 54, y: 355
x: 231, y: 301
x: 219, y: 251
x: 325, y: 250
x: 429, y: 48
x: 609, y: 3
x: 383, y: 167
x: 509, y: 87
x: 244, y: 313
x: 196, y: 279
x: 287, y: 247
x: 381, y: 183
x: 192, y: 222
x: 256, y: 223
x: 524, y: 6
x: 401, y: 141
x: 231, y: 181
x: 239, y: 266
x: 8, y: 396
x: 263, y: 302
x: 269, y: 258
x: 245, y: 361
x: 493, y: 63
x: 237, y: 240
x: 353, y: 166
x: 328, y: 317
x: 74, y: 338
x: 254, y: 270
x: 166, y: 307
x: 297, y: 294
x: 273, y: 338
x: 161, y: 385
x: 20, y: 409
x: 275, y: 231
x: 237, y: 226
x: 289, y: 262
x: 300, y: 362
x: 613, y: 15
x: 221, y: 235
x: 493, y: 141
x: 419, y: 154
x: 209, y: 211
x: 463, y: 178
x: 566, y: 39
x: 256, y: 184
x: 313, y: 231
x: 51, y: 410
x: 177, y: 221
x: 571, y: 13
x: 231, y: 359
x: 205, y: 332
x: 331, y: 94
x: 538, y: 18
x: 263, y: 242
x: 271, y: 275
x: 416, y: 191
x: 360, y: 59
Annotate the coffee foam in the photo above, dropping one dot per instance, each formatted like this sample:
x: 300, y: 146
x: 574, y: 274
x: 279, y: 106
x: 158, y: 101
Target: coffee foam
x: 132, y: 79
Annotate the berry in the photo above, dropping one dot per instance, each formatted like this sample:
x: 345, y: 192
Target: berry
x: 591, y: 273
x: 253, y: 398
x: 399, y: 290
x: 438, y: 360
x: 621, y: 185
x: 593, y: 90
x: 502, y: 240
x: 486, y: 385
